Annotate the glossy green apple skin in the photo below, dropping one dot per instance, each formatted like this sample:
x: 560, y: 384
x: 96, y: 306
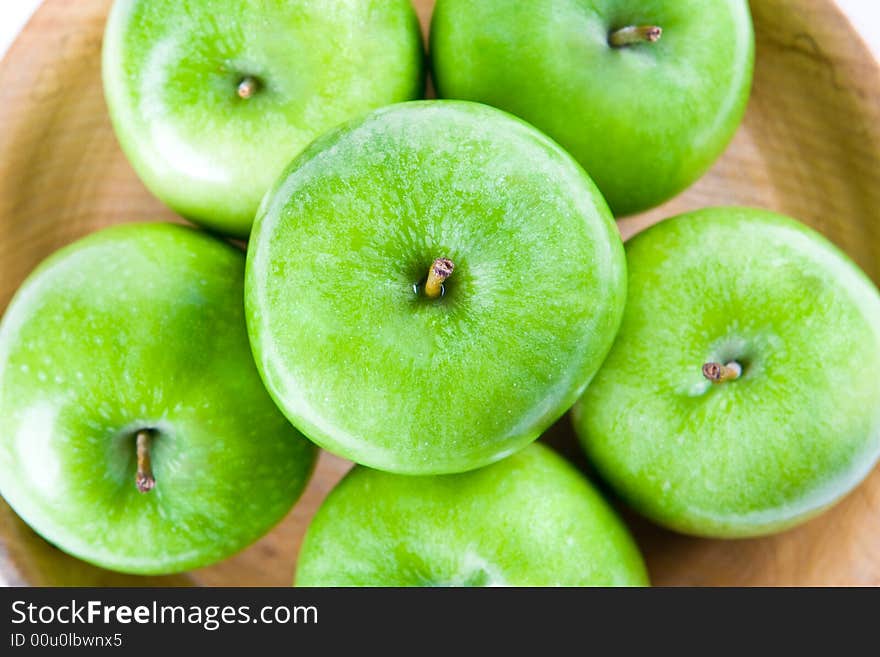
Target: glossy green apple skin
x: 529, y: 520
x: 366, y: 365
x: 136, y: 327
x: 645, y: 120
x: 171, y: 71
x: 795, y: 433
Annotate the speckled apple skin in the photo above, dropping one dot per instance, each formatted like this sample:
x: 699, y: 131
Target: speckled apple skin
x: 645, y: 120
x: 368, y: 367
x: 171, y: 71
x: 798, y: 430
x: 141, y: 327
x: 530, y: 520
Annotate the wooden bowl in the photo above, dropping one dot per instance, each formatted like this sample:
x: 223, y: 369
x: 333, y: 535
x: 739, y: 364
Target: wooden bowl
x: 809, y: 147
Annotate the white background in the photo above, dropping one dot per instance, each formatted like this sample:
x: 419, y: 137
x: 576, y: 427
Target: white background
x: 864, y: 14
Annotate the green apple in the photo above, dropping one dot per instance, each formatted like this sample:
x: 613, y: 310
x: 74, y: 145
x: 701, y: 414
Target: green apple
x: 135, y: 432
x: 530, y: 520
x: 741, y: 396
x: 645, y: 94
x: 210, y: 100
x: 430, y: 287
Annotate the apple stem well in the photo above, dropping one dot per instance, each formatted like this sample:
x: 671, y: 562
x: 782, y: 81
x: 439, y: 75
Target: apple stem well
x: 439, y: 271
x: 144, y: 478
x: 633, y: 34
x: 247, y: 87
x: 718, y: 373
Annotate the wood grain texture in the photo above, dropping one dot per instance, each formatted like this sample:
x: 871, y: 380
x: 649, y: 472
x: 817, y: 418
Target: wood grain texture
x: 809, y: 147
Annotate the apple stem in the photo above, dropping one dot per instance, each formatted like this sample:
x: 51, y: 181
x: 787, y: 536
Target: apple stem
x: 144, y: 479
x: 632, y: 34
x: 718, y: 373
x: 247, y: 87
x: 440, y: 270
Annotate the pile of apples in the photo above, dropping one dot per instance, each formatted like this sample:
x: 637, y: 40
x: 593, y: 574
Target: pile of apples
x: 428, y: 286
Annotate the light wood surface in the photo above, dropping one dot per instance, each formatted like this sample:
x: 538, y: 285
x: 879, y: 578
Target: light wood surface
x: 809, y: 147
